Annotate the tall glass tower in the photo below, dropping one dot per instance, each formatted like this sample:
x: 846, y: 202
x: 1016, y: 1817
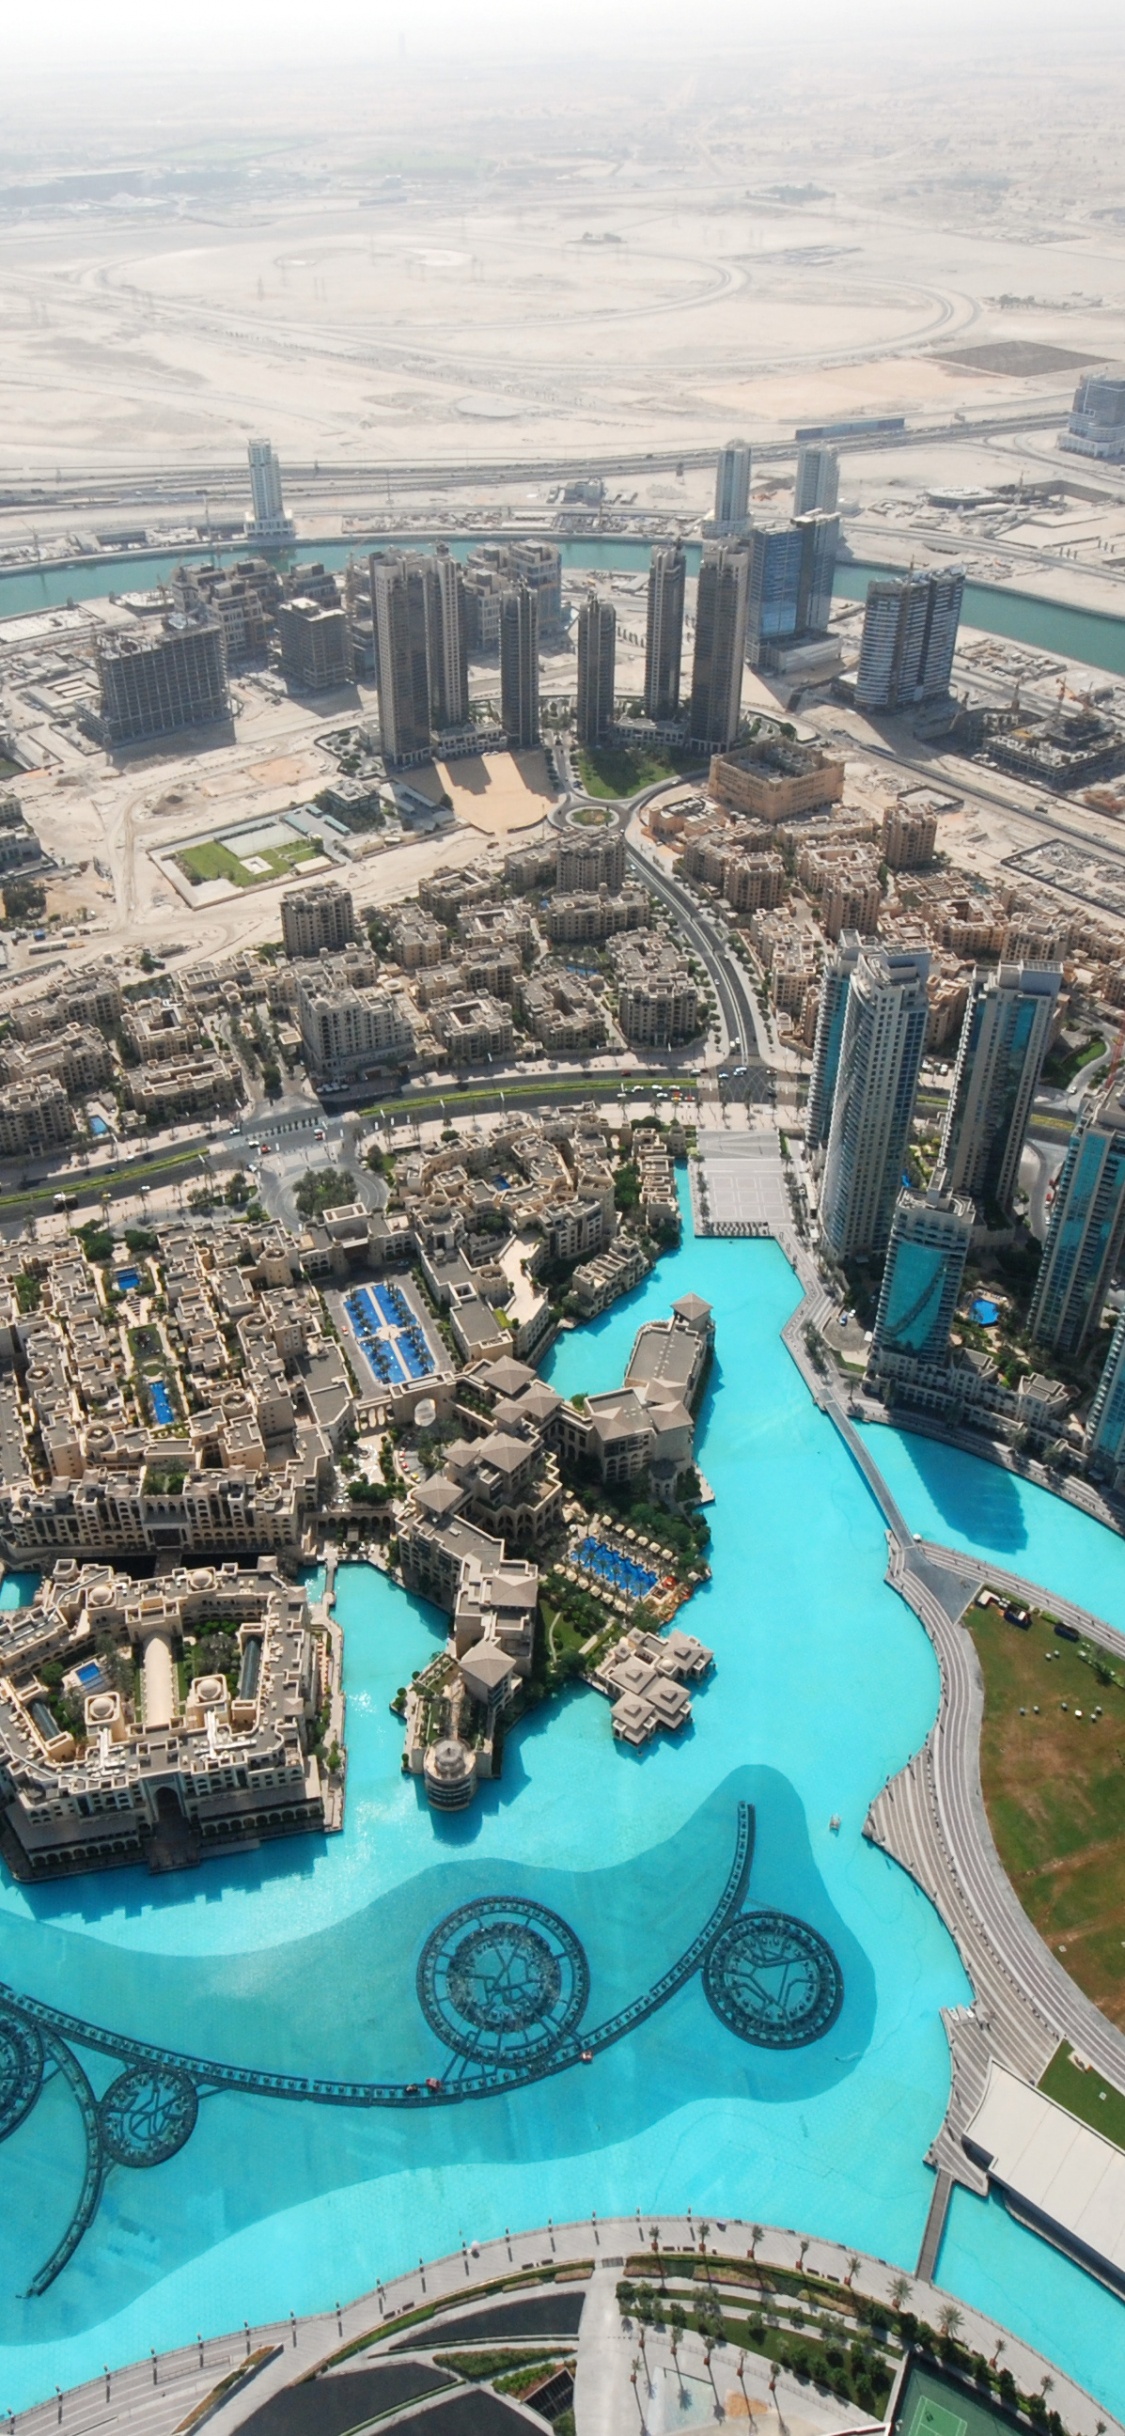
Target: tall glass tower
x: 664, y: 639
x: 999, y: 1060
x: 880, y: 1059
x: 1086, y: 1231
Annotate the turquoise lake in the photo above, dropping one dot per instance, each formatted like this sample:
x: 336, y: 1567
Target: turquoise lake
x: 303, y: 1958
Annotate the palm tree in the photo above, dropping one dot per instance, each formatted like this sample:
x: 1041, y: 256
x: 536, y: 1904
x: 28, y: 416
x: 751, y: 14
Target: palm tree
x: 1001, y: 2346
x: 900, y: 2290
x: 757, y: 2234
x: 949, y: 2319
x: 1046, y: 2386
x: 853, y: 2270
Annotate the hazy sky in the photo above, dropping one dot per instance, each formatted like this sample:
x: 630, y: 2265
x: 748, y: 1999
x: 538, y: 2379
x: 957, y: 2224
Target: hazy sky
x: 64, y: 34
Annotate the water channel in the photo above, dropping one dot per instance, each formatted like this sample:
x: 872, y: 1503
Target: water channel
x: 303, y: 1958
x: 1075, y: 634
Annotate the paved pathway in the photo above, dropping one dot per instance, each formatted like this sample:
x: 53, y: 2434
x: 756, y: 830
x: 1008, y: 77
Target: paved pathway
x: 154, y: 2396
x: 931, y: 1817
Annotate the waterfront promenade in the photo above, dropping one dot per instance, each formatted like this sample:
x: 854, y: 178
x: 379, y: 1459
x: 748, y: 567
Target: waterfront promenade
x: 931, y: 1816
x: 157, y: 2396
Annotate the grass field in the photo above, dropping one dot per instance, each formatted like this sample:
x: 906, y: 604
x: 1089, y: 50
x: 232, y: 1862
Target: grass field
x: 1086, y: 2095
x: 612, y: 770
x: 211, y: 860
x: 1054, y: 1787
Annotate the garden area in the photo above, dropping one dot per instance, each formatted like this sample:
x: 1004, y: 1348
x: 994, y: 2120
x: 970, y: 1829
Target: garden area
x: 821, y: 2331
x: 1054, y: 1789
x: 610, y: 771
x: 324, y: 1188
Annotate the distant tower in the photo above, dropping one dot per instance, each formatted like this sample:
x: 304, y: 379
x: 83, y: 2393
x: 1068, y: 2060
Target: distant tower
x: 873, y: 1105
x: 909, y: 638
x: 732, y: 488
x: 999, y: 1059
x: 597, y: 647
x: 449, y: 667
x: 925, y: 1264
x: 400, y: 605
x: 817, y: 488
x: 720, y: 645
x: 267, y: 521
x: 519, y: 666
x: 792, y: 570
x: 1085, y: 1234
x: 664, y: 640
x: 829, y: 1034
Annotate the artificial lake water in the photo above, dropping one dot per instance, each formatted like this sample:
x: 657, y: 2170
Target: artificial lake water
x: 302, y: 1958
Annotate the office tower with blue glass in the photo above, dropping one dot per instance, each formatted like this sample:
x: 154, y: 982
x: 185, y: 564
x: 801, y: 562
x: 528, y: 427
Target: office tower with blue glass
x: 732, y: 489
x: 909, y: 638
x: 930, y: 1235
x: 1085, y: 1234
x: 792, y: 569
x: 817, y: 487
x: 597, y: 649
x: 1004, y: 1040
x: 720, y: 646
x: 1096, y: 427
x: 881, y: 1052
x: 664, y: 637
x: 829, y: 1034
x: 1105, y: 1429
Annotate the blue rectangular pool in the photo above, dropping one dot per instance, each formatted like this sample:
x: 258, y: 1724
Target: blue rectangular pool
x: 128, y: 1278
x: 161, y: 1402
x: 608, y: 1565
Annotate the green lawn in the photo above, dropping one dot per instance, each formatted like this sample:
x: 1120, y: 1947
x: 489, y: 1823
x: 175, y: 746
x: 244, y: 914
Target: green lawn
x: 1086, y: 2095
x: 612, y: 770
x: 211, y: 860
x: 1054, y: 1788
x: 1059, y: 1071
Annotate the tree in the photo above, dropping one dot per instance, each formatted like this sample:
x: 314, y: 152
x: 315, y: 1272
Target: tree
x: 25, y: 900
x: 949, y: 2319
x: 900, y: 2290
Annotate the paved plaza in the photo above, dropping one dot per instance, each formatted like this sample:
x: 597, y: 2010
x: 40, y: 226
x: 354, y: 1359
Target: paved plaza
x: 743, y: 1181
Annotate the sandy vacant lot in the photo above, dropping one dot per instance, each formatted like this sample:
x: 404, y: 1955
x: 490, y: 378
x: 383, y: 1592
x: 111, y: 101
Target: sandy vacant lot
x: 498, y: 792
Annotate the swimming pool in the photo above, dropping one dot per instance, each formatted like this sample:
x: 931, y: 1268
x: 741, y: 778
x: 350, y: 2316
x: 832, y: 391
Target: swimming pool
x: 163, y: 1410
x: 303, y: 1957
x: 609, y: 1565
x: 985, y: 1311
x: 127, y: 1279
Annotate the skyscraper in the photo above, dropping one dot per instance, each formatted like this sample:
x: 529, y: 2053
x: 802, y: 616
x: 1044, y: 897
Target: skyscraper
x: 267, y: 520
x: 999, y: 1059
x: 909, y: 638
x: 720, y: 645
x: 792, y: 567
x: 400, y: 603
x: 732, y: 488
x: 925, y: 1264
x: 829, y: 1034
x: 1097, y: 418
x: 151, y: 684
x: 817, y: 487
x: 1086, y: 1230
x: 1105, y: 1429
x: 519, y: 666
x: 449, y: 667
x: 664, y: 639
x: 873, y: 1104
x: 597, y: 648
